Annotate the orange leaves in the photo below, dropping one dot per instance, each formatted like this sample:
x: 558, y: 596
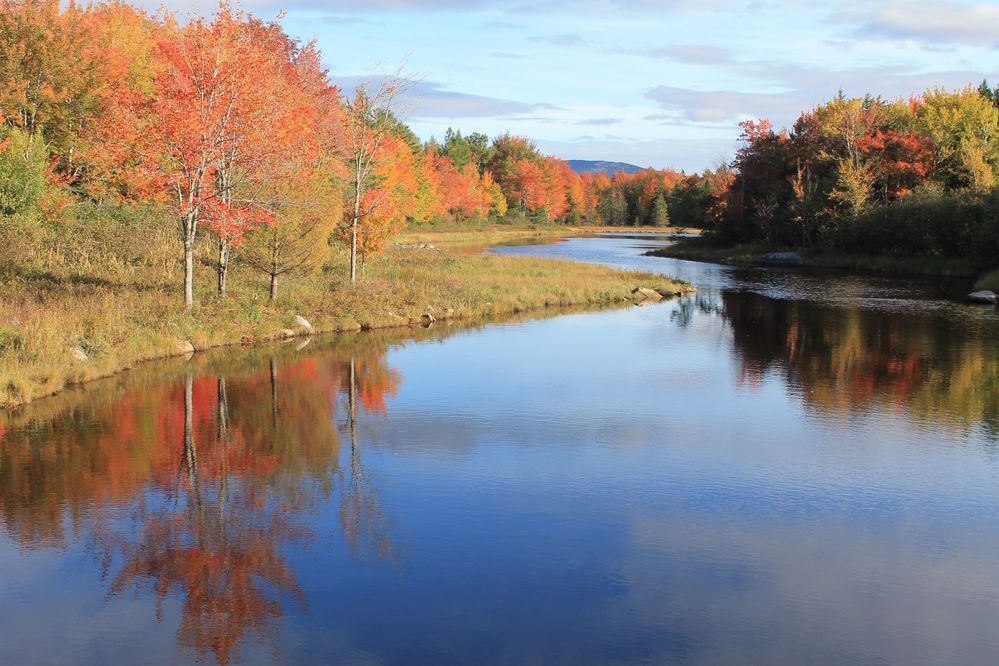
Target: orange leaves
x: 234, y: 222
x: 388, y: 197
x: 527, y: 184
x: 902, y: 159
x: 754, y: 130
x: 462, y: 191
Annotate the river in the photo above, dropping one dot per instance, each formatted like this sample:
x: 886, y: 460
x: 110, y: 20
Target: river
x: 787, y: 467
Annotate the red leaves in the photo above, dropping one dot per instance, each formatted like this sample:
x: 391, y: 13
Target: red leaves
x: 56, y: 198
x: 234, y: 222
x: 902, y: 159
x: 462, y: 192
x: 754, y: 131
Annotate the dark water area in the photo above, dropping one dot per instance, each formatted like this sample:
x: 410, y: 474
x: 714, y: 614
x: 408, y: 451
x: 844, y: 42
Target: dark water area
x: 787, y: 467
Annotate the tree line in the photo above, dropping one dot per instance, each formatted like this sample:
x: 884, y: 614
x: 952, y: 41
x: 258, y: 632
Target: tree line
x: 913, y: 177
x: 232, y: 134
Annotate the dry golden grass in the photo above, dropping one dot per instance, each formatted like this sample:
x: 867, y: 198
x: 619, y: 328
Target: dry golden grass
x: 477, y: 237
x: 129, y: 314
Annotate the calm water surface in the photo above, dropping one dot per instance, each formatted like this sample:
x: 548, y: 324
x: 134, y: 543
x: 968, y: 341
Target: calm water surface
x: 786, y: 468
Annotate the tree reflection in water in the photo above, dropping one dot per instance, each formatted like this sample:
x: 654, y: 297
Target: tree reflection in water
x: 197, y: 489
x: 361, y: 517
x: 842, y: 360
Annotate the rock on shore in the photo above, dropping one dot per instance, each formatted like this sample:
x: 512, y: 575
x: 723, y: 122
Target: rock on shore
x: 781, y: 259
x: 646, y: 294
x: 984, y: 297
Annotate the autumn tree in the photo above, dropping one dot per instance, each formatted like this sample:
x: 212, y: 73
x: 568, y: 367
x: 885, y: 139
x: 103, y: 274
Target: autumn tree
x: 963, y: 127
x: 461, y: 189
x: 108, y: 164
x: 271, y: 125
x: 899, y: 160
x: 195, y: 119
x: 368, y: 121
x: 50, y: 76
x: 305, y: 201
x: 389, y: 192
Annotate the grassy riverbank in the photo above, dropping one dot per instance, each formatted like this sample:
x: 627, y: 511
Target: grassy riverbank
x: 749, y: 254
x: 61, y: 325
x: 483, y: 236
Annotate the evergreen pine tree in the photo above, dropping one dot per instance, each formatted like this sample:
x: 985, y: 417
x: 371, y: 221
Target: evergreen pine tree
x: 660, y: 211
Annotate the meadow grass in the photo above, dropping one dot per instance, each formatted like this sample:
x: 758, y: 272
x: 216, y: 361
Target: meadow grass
x: 62, y: 324
x: 476, y: 237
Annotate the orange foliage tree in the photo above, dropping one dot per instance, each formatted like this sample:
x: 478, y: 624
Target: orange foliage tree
x: 389, y: 191
x: 199, y: 123
x: 366, y: 142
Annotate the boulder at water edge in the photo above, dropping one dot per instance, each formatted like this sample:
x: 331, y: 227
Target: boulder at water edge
x: 781, y: 259
x: 646, y: 294
x: 985, y: 297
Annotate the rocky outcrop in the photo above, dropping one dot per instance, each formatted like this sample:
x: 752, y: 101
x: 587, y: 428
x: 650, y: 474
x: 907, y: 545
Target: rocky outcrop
x: 185, y: 347
x: 644, y: 294
x: 303, y: 323
x: 781, y: 259
x: 983, y: 297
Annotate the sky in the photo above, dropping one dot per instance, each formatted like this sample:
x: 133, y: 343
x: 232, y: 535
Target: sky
x: 654, y: 83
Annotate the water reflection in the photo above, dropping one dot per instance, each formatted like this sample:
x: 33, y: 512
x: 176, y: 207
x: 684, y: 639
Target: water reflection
x: 739, y: 476
x: 361, y: 518
x: 194, y: 487
x: 844, y: 360
x: 842, y: 343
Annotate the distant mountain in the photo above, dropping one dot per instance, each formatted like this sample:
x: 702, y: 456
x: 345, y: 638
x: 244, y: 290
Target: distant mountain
x: 599, y: 166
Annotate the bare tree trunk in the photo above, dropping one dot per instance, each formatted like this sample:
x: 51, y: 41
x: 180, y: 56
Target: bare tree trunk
x: 224, y: 189
x: 189, y: 274
x: 223, y: 264
x: 358, y: 185
x: 742, y: 195
x: 188, y: 230
x: 353, y: 251
x: 273, y: 273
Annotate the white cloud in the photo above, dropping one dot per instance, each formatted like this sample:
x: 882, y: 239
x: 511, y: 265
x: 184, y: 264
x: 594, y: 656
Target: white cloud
x: 428, y: 99
x: 935, y: 21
